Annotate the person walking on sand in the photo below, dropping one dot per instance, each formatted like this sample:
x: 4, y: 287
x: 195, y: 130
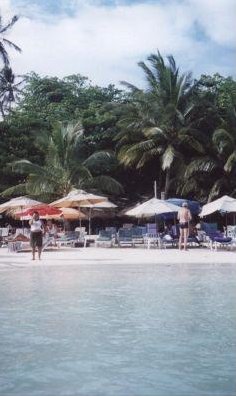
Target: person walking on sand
x: 36, y: 234
x: 184, y: 217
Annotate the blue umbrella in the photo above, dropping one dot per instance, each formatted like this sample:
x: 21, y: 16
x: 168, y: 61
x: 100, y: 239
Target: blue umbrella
x: 194, y: 207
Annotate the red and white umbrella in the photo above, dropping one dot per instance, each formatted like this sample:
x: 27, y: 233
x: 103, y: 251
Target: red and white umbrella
x: 43, y: 211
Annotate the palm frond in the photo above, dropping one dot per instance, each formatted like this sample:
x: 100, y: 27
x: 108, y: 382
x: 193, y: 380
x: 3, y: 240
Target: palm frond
x: 4, y: 54
x: 216, y: 188
x: 19, y: 189
x: 11, y: 44
x: 231, y: 163
x: 25, y: 166
x: 168, y: 157
x: 200, y: 165
x: 222, y: 140
x: 9, y: 24
x: 105, y: 184
x: 189, y: 140
x: 100, y: 158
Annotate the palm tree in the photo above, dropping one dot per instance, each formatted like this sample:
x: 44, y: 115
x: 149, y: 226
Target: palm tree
x: 63, y: 168
x: 214, y: 172
x: 9, y: 89
x: 155, y: 124
x: 5, y: 42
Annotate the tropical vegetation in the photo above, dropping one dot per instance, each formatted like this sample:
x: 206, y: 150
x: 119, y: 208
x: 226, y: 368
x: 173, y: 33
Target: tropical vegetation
x: 57, y: 134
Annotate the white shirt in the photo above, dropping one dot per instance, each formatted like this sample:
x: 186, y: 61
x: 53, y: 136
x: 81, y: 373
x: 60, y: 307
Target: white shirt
x: 36, y: 226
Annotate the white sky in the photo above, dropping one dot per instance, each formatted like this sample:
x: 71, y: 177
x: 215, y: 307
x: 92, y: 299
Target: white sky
x: 105, y: 43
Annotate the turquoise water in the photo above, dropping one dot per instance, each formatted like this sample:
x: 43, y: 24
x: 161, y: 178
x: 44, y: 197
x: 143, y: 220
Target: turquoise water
x: 112, y: 329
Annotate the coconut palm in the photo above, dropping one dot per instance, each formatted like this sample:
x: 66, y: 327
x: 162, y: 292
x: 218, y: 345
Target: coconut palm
x: 9, y: 89
x: 63, y: 169
x: 216, y: 167
x: 155, y: 125
x: 5, y: 42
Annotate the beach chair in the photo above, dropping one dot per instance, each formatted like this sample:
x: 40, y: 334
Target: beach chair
x: 68, y: 239
x: 209, y: 228
x: 167, y: 241
x: 137, y: 236
x: 4, y: 232
x: 218, y: 240
x: 105, y: 239
x: 231, y: 231
x: 151, y: 238
x: 112, y: 230
x: 128, y: 225
x: 125, y: 237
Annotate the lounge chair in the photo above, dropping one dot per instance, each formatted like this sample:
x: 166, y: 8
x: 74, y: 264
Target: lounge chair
x: 231, y: 231
x: 68, y: 239
x: 125, y: 237
x: 137, y: 236
x: 217, y: 239
x: 113, y: 231
x: 105, y: 239
x: 167, y: 241
x: 151, y: 238
x: 4, y: 232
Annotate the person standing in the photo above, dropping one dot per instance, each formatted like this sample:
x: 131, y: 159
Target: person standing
x: 36, y: 234
x: 184, y: 217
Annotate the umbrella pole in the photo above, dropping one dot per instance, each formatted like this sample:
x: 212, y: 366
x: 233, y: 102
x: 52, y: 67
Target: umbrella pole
x: 79, y: 221
x: 90, y: 211
x: 155, y: 188
x: 22, y: 222
x: 156, y: 223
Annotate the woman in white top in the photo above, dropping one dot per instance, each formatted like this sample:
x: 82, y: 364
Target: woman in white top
x: 36, y: 234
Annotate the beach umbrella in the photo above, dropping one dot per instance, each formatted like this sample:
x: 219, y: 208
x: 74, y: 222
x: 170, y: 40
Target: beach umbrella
x: 71, y: 214
x: 43, y: 211
x: 65, y: 214
x: 18, y: 203
x: 152, y: 207
x: 193, y: 206
x: 105, y: 205
x: 224, y: 204
x: 77, y: 198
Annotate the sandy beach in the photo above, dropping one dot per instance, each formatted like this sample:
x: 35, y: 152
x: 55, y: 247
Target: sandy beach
x: 96, y: 256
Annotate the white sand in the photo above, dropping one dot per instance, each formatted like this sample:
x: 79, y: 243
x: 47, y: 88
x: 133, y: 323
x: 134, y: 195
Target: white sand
x: 91, y: 255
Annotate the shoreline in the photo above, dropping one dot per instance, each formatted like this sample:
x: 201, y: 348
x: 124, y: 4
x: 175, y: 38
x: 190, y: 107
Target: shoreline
x: 109, y: 256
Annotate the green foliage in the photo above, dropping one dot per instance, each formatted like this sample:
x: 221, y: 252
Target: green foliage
x: 64, y: 133
x: 63, y: 169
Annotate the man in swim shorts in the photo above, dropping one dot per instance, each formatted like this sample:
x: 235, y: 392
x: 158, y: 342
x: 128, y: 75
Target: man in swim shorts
x: 184, y: 217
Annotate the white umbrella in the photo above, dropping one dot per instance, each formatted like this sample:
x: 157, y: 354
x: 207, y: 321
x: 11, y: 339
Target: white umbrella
x: 101, y: 205
x: 77, y: 198
x: 18, y: 204
x: 224, y: 204
x: 152, y: 207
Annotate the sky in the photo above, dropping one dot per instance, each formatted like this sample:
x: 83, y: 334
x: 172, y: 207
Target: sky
x: 105, y: 39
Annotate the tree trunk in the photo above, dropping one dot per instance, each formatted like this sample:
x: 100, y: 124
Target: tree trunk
x: 167, y: 183
x: 2, y: 111
x: 159, y: 182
